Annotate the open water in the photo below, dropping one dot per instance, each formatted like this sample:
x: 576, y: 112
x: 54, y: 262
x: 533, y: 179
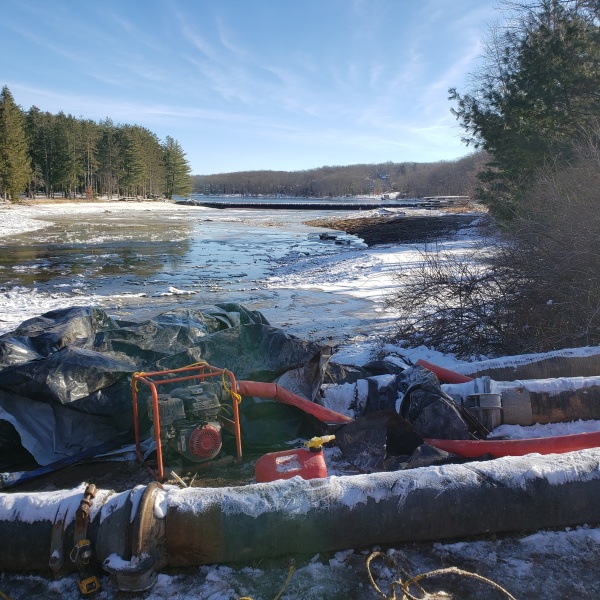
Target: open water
x: 138, y: 263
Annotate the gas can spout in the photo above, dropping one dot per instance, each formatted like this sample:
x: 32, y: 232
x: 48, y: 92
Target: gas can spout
x: 316, y: 444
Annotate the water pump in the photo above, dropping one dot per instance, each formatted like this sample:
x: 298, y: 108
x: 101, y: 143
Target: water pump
x: 189, y: 420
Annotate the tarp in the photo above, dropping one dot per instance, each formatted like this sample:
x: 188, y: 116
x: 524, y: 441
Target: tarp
x: 65, y: 384
x: 65, y: 380
x: 433, y: 413
x: 394, y: 410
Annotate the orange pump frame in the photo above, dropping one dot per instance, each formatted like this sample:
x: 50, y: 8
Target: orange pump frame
x: 201, y: 372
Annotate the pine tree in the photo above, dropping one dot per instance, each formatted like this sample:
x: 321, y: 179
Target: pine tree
x: 72, y: 167
x: 177, y: 169
x: 47, y: 148
x: 537, y: 93
x: 131, y: 172
x: 88, y: 144
x: 15, y: 169
x: 107, y: 154
x: 154, y: 169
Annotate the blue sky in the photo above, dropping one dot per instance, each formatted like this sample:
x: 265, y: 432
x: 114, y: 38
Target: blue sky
x: 254, y: 84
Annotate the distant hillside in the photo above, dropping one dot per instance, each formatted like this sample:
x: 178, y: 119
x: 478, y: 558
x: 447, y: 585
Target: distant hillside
x: 412, y: 180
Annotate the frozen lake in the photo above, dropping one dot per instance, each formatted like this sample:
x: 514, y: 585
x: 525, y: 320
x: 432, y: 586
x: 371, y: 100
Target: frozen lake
x: 137, y: 259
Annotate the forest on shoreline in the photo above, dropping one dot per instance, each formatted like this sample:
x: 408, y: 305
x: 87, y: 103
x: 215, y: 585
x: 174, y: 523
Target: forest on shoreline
x: 62, y: 156
x: 407, y: 179
x: 59, y: 156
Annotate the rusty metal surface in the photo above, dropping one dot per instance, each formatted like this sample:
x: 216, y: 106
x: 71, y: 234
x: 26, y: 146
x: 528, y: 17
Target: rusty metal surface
x: 147, y: 529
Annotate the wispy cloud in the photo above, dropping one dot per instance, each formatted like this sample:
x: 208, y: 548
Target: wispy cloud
x: 52, y: 44
x: 370, y: 74
x: 226, y: 37
x: 93, y: 106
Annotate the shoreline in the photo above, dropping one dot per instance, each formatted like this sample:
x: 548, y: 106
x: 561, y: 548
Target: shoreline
x: 21, y: 218
x: 402, y: 228
x: 375, y: 228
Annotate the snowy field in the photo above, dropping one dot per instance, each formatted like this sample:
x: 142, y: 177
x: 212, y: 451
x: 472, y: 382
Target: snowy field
x: 313, y: 290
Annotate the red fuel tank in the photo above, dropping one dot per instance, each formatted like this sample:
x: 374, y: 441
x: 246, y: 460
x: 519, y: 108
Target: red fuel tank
x: 289, y: 463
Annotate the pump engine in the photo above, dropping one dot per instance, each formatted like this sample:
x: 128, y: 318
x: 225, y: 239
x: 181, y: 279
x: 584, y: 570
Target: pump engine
x: 189, y: 420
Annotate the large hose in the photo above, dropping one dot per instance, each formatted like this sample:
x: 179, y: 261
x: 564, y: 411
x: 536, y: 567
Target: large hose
x: 519, y: 447
x: 276, y: 392
x: 195, y: 526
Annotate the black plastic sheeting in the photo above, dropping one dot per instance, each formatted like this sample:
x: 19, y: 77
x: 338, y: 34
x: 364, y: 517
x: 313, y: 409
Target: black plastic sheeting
x: 413, y: 392
x: 65, y: 377
x: 399, y: 411
x: 65, y: 386
x: 371, y: 441
x: 434, y: 413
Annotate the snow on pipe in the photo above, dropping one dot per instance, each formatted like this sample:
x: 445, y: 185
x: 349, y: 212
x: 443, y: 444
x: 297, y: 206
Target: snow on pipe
x: 195, y: 526
x: 528, y: 401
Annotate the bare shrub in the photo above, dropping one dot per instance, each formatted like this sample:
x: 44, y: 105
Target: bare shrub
x: 454, y: 304
x: 538, y: 291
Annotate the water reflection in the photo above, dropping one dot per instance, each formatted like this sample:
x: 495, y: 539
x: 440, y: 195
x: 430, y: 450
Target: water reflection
x: 110, y: 255
x: 138, y: 264
x: 91, y: 253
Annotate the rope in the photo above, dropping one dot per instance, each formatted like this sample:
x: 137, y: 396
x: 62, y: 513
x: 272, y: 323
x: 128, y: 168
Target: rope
x: 228, y: 388
x: 282, y: 588
x: 200, y: 363
x: 178, y: 479
x: 225, y: 409
x: 287, y: 580
x: 404, y: 586
x: 134, y: 378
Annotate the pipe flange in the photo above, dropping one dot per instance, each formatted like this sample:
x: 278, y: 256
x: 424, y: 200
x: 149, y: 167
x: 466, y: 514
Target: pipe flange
x: 148, y: 529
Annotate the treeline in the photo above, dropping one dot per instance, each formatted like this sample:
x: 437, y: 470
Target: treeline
x: 59, y: 155
x: 410, y: 179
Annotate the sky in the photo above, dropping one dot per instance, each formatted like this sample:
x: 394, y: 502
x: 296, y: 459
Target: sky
x: 255, y: 84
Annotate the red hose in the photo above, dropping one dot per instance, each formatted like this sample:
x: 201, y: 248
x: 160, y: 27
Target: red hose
x: 519, y: 447
x: 444, y: 375
x: 276, y: 392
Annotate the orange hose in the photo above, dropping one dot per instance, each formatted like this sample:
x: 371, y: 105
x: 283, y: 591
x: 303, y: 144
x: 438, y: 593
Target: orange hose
x: 519, y: 447
x: 276, y: 392
x: 444, y: 375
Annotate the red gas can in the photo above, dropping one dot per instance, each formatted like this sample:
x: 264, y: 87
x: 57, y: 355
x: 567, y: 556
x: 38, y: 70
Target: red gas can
x: 289, y: 463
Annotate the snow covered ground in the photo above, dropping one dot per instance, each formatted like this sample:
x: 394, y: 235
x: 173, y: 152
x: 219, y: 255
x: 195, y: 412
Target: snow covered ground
x: 308, y: 285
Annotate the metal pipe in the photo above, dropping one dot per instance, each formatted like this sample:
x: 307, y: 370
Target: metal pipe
x: 195, y: 526
x: 298, y: 516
